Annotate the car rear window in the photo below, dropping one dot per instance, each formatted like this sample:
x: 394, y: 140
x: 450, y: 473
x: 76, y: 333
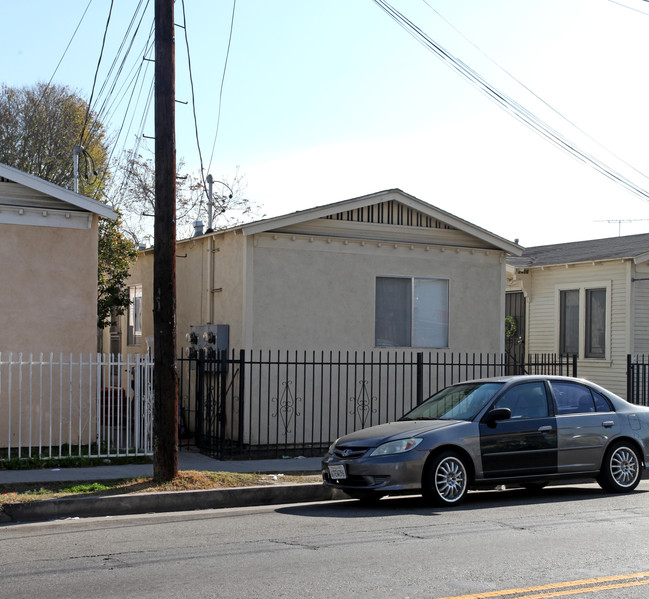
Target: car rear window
x: 573, y: 398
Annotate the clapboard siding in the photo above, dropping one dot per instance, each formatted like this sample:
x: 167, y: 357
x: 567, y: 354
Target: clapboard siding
x: 541, y: 286
x: 640, y: 311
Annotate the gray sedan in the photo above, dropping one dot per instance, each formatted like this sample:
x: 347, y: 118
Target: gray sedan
x: 524, y: 430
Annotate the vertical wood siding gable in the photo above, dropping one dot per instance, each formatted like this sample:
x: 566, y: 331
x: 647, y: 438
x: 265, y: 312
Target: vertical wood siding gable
x: 390, y: 213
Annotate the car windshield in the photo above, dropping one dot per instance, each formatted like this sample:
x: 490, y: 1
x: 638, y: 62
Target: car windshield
x: 459, y: 402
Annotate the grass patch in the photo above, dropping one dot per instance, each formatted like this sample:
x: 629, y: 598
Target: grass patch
x: 189, y: 480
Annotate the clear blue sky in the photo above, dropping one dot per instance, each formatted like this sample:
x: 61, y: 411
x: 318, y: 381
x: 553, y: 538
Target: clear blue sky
x: 324, y: 101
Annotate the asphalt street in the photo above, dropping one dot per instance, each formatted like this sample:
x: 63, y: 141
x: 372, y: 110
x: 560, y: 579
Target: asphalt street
x: 565, y: 541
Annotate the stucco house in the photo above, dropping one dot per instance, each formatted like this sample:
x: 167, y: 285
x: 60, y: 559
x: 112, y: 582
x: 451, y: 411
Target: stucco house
x: 589, y: 298
x: 48, y: 265
x: 48, y: 288
x: 385, y: 270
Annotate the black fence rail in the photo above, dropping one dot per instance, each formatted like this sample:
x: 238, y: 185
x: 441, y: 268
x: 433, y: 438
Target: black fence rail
x: 275, y: 404
x: 637, y: 379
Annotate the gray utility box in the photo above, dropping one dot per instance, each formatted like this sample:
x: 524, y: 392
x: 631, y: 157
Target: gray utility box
x: 213, y: 339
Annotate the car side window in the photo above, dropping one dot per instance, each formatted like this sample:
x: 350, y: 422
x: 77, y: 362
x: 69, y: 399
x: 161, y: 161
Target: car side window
x: 528, y: 400
x: 573, y: 398
x: 601, y: 403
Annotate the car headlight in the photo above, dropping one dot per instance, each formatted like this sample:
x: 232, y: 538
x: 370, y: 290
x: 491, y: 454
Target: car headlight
x: 400, y: 446
x: 331, y: 447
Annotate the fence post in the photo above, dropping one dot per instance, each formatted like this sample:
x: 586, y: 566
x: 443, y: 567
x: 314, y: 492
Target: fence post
x: 574, y: 365
x: 629, y: 378
x: 420, y: 377
x: 242, y: 391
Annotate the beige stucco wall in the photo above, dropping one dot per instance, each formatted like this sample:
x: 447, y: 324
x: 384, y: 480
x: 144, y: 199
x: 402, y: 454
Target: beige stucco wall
x: 280, y: 291
x: 48, y: 289
x: 48, y: 306
x: 319, y: 293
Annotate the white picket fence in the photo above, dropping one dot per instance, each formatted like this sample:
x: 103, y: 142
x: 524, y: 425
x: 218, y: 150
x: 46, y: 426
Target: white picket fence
x: 63, y: 406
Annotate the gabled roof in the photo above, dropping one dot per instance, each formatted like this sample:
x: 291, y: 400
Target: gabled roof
x: 331, y: 210
x: 632, y: 247
x: 75, y: 200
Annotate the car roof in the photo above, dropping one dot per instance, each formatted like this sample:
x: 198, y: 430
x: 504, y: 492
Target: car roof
x: 526, y: 377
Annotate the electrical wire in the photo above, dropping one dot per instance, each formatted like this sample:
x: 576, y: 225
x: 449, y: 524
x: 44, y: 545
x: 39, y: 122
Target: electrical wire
x: 103, y: 45
x: 191, y: 83
x: 508, y: 104
x: 69, y: 43
x: 225, y: 68
x: 525, y: 87
x: 642, y: 12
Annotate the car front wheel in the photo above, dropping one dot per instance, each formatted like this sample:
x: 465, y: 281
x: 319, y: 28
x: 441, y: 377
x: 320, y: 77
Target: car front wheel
x: 621, y: 469
x: 446, y: 480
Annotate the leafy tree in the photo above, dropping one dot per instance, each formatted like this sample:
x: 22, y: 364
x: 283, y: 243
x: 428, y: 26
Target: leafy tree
x: 116, y: 254
x: 39, y: 127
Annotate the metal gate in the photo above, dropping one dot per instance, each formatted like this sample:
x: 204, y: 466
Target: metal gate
x: 515, y: 325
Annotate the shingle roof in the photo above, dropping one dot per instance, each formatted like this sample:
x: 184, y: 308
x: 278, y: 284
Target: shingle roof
x: 629, y: 246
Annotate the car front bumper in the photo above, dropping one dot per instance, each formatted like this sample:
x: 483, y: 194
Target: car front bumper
x: 397, y: 472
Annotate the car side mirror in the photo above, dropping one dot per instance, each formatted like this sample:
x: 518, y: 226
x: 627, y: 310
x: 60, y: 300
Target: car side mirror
x: 498, y: 414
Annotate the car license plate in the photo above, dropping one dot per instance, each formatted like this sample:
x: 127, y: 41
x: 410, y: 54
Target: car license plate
x: 337, y: 471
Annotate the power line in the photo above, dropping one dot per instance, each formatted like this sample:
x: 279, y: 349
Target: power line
x: 630, y: 7
x: 225, y: 68
x: 508, y: 104
x: 191, y: 83
x: 69, y: 43
x: 103, y: 44
x: 533, y: 93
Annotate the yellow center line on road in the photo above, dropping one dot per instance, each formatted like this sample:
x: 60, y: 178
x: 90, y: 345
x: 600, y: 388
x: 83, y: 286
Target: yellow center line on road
x: 588, y: 585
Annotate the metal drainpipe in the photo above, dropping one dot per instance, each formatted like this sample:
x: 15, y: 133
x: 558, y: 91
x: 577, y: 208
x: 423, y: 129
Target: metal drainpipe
x: 210, y: 258
x: 75, y: 157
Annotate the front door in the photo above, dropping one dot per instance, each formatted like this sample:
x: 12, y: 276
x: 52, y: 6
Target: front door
x: 525, y: 444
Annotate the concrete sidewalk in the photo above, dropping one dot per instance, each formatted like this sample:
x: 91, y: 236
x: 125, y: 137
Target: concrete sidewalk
x: 187, y: 460
x: 140, y: 503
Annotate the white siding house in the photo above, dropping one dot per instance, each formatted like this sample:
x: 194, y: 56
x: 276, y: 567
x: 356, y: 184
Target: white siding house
x: 590, y: 298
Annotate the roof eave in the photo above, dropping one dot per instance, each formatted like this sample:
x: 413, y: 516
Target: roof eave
x: 56, y: 191
x: 360, y: 202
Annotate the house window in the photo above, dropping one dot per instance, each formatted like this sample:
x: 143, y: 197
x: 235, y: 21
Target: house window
x: 595, y: 323
x: 569, y: 322
x: 134, y: 315
x: 583, y: 321
x: 411, y: 312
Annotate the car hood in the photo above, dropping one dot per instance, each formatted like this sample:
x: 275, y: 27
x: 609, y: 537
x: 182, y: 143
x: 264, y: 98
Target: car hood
x: 382, y: 433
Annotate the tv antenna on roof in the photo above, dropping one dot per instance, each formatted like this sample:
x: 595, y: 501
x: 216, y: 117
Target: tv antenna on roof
x: 619, y: 222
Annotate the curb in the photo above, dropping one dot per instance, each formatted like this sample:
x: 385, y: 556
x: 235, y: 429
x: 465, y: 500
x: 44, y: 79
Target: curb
x: 143, y: 503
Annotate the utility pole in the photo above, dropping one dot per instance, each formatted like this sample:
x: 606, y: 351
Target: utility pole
x: 165, y: 413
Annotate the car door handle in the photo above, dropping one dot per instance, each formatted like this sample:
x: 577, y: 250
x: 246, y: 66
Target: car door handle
x: 608, y: 423
x: 545, y: 429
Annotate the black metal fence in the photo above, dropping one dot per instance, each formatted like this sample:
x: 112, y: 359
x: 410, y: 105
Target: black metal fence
x: 274, y: 404
x: 637, y: 379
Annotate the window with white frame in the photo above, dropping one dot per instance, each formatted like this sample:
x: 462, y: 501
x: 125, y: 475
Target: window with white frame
x: 584, y: 321
x: 411, y: 312
x: 134, y: 315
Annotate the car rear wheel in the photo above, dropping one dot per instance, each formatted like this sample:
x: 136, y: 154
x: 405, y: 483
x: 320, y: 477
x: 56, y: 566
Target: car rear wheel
x: 446, y: 480
x: 621, y: 469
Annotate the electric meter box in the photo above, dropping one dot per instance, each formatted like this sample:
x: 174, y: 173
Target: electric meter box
x: 213, y: 339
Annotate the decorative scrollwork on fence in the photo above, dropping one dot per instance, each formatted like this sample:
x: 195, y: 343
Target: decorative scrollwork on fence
x: 363, y: 403
x: 286, y: 406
